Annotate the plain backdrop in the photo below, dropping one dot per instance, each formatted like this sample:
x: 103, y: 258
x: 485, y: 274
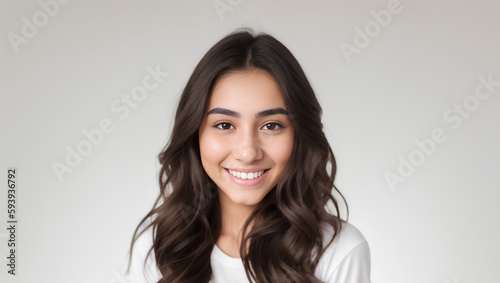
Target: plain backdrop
x: 382, y: 94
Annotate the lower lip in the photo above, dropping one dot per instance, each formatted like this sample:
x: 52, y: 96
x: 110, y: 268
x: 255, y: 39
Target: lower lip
x: 247, y: 183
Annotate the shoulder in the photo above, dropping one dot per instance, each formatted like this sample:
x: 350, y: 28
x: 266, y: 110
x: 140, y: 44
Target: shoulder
x: 140, y: 272
x: 348, y: 238
x: 347, y: 259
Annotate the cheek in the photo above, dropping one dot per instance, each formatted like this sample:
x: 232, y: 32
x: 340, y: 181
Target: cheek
x: 213, y: 150
x: 280, y: 150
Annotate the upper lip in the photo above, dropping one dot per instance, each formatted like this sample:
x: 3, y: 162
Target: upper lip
x: 247, y: 170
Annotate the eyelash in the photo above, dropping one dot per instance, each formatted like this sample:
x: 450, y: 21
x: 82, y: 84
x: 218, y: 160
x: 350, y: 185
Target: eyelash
x: 277, y: 125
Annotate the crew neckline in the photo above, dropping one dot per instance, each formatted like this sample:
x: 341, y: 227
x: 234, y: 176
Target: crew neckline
x: 225, y: 259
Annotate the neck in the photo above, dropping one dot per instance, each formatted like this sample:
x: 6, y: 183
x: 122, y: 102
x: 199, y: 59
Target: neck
x: 233, y: 216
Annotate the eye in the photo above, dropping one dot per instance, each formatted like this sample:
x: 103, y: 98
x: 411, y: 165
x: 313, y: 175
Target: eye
x: 224, y: 126
x: 272, y: 126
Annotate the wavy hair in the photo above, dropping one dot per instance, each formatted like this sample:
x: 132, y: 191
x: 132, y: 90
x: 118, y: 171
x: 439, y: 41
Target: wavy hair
x: 286, y: 241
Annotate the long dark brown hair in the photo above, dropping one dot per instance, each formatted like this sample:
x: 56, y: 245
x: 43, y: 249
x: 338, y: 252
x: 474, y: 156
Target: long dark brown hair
x: 286, y: 242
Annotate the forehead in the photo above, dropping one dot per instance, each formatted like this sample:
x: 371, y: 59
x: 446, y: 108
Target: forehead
x: 247, y: 91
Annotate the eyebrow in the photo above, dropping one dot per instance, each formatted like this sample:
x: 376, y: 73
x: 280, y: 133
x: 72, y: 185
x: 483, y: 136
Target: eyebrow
x: 261, y: 114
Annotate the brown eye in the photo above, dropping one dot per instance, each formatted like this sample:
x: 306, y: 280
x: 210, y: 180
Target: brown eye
x: 224, y: 126
x: 273, y: 126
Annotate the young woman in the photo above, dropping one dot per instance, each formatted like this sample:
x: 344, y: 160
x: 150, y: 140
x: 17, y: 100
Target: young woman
x: 244, y: 182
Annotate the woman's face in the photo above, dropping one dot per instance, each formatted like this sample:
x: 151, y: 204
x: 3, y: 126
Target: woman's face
x: 246, y: 137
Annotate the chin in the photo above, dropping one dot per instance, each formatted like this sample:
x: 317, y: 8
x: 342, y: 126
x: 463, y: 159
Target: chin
x: 246, y: 199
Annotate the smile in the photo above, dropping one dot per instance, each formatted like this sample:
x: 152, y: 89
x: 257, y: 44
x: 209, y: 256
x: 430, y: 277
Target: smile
x: 246, y: 175
x: 248, y: 178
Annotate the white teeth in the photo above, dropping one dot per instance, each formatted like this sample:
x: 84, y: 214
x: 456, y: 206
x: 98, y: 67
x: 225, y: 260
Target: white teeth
x: 246, y: 176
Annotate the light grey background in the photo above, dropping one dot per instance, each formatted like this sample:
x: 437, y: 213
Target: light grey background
x: 439, y: 225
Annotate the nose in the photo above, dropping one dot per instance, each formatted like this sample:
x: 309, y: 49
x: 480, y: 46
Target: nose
x: 248, y: 147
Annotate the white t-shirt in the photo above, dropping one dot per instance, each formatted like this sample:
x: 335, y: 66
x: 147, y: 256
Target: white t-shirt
x: 347, y: 260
